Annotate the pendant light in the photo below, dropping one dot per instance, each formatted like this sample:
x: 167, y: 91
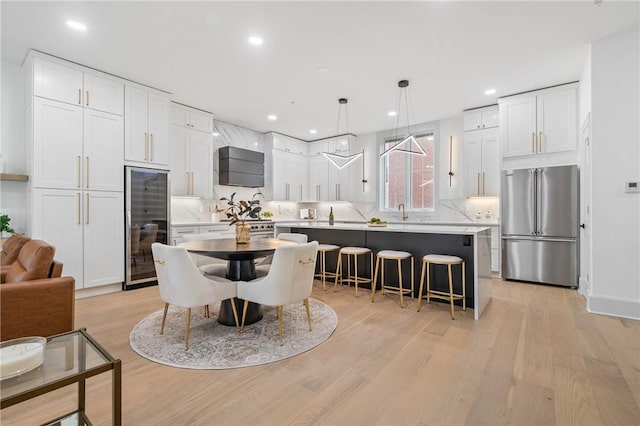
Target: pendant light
x: 409, y: 144
x: 342, y: 161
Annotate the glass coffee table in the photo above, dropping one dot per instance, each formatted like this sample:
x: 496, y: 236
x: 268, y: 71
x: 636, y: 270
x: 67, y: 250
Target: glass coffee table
x: 69, y: 358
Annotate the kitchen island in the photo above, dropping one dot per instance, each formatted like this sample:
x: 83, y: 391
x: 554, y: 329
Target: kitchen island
x: 471, y: 243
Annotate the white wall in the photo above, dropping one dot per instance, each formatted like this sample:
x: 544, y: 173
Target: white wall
x: 615, y: 112
x: 12, y: 146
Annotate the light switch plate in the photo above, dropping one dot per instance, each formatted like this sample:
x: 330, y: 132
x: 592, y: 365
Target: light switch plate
x: 633, y: 186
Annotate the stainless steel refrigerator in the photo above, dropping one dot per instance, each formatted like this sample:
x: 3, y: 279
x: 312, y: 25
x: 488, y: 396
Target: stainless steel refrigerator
x: 539, y: 215
x: 147, y: 221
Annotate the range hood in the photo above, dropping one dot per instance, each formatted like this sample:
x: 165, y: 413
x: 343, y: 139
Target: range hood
x: 241, y: 167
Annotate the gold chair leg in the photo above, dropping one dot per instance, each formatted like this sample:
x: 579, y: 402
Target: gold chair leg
x: 450, y: 290
x: 323, y: 268
x: 375, y: 281
x: 412, y: 273
x: 338, y: 271
x: 382, y: 278
x: 164, y: 317
x: 421, y: 285
x: 306, y: 306
x: 186, y: 337
x: 279, y: 310
x: 244, y: 315
x: 428, y: 283
x: 235, y: 313
x: 464, y: 294
x: 355, y: 261
x: 400, y: 284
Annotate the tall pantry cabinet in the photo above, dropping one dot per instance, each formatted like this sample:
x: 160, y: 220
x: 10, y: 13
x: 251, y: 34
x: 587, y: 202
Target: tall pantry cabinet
x: 75, y: 151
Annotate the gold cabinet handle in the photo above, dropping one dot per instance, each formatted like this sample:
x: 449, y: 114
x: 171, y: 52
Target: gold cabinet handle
x: 188, y: 182
x: 78, y: 174
x: 478, y: 179
x: 483, y: 181
x: 150, y: 146
x: 192, y: 183
x: 306, y: 262
x: 533, y: 142
x: 78, y: 212
x: 540, y: 142
x: 87, y: 98
x: 87, y: 212
x: 146, y: 147
x: 86, y: 184
x: 79, y: 96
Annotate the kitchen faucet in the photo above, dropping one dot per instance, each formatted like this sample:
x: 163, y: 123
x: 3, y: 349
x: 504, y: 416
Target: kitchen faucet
x: 404, y: 215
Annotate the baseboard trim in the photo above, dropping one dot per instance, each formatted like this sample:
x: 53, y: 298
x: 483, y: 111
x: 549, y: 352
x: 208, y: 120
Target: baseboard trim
x: 617, y: 307
x: 98, y: 291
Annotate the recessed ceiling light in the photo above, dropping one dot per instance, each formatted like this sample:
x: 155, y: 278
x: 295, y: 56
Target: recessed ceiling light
x: 392, y: 113
x: 214, y: 133
x: 490, y: 92
x: 78, y: 26
x: 272, y: 117
x: 322, y: 70
x: 313, y: 131
x: 255, y: 40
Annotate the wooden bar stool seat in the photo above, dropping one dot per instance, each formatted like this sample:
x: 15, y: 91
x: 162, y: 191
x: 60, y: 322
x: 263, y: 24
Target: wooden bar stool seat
x: 352, y: 278
x: 322, y: 257
x: 399, y: 256
x: 450, y: 296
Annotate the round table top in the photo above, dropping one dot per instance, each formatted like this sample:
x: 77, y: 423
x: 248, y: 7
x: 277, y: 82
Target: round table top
x: 228, y: 248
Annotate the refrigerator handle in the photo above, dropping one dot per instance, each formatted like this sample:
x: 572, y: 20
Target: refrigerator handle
x: 538, y: 202
x: 532, y: 212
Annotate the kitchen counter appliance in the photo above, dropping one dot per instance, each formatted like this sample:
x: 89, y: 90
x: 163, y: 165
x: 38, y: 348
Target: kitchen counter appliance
x: 539, y: 214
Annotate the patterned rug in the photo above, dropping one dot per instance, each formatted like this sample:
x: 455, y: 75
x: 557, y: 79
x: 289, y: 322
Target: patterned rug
x: 216, y: 346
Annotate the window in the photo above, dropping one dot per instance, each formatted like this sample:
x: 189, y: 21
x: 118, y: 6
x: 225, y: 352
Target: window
x: 409, y: 178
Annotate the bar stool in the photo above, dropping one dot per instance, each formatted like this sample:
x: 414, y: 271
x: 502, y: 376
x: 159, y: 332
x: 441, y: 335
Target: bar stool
x: 322, y: 255
x: 440, y: 259
x: 355, y: 252
x: 399, y: 289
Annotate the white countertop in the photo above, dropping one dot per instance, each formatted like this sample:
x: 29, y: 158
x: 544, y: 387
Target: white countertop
x: 201, y: 223
x: 391, y: 227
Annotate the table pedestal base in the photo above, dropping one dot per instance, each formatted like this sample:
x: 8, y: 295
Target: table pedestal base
x: 240, y: 270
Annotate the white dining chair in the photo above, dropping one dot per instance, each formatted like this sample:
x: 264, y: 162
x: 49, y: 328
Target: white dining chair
x: 289, y: 280
x: 263, y: 265
x: 208, y: 265
x: 182, y: 285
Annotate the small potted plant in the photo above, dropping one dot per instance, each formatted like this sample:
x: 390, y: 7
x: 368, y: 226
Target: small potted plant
x: 266, y: 214
x: 4, y: 225
x: 239, y: 212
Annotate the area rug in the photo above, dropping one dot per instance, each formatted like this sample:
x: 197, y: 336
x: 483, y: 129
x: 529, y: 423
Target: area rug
x: 216, y: 346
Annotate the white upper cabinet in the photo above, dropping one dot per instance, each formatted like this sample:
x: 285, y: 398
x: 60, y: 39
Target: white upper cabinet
x: 191, y: 162
x: 191, y: 118
x: 103, y: 151
x: 481, y: 163
x: 539, y: 123
x: 287, y: 144
x: 479, y: 119
x: 72, y: 85
x: 289, y: 176
x: 146, y: 128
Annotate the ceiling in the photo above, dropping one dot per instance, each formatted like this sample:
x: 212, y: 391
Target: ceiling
x: 317, y: 52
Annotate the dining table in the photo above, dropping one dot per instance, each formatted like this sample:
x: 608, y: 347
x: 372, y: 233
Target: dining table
x: 240, y: 267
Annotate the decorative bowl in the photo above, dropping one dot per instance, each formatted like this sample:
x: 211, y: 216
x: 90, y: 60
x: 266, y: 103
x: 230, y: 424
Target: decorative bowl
x: 18, y: 356
x: 377, y: 224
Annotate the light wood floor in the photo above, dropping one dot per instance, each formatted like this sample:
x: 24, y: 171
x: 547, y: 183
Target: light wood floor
x: 535, y: 357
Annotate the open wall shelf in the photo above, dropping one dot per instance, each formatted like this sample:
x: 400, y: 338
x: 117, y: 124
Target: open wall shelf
x: 14, y: 177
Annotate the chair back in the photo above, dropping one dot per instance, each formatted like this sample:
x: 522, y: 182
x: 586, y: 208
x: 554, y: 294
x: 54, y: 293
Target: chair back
x: 203, y: 236
x: 11, y: 248
x: 33, y: 262
x: 290, y: 278
x: 180, y: 281
x: 290, y: 236
x: 135, y: 239
x: 148, y: 235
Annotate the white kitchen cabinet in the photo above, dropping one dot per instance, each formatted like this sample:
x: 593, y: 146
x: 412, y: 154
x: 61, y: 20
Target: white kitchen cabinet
x: 318, y: 172
x: 481, y: 118
x: 540, y: 122
x: 495, y: 249
x: 191, y: 162
x: 73, y: 85
x: 87, y: 229
x: 178, y: 233
x: 289, y: 176
x: 481, y: 163
x: 287, y: 144
x: 75, y: 147
x: 183, y: 116
x: 339, y: 187
x: 146, y: 136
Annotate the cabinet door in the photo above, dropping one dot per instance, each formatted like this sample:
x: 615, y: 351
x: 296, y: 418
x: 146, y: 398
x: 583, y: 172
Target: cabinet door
x: 178, y: 115
x: 57, y: 145
x: 158, y: 129
x: 472, y: 121
x: 179, y: 161
x: 292, y: 178
x: 318, y: 179
x: 490, y: 118
x: 136, y: 137
x: 57, y: 219
x: 472, y: 164
x: 339, y: 183
x: 103, y: 94
x: 103, y: 151
x: 201, y: 121
x: 103, y: 238
x: 200, y: 161
x: 490, y: 163
x: 557, y: 122
x: 280, y: 187
x: 339, y: 145
x: 54, y: 81
x: 518, y: 126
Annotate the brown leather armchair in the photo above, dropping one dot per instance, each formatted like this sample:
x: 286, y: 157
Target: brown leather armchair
x: 35, y: 300
x: 10, y: 250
